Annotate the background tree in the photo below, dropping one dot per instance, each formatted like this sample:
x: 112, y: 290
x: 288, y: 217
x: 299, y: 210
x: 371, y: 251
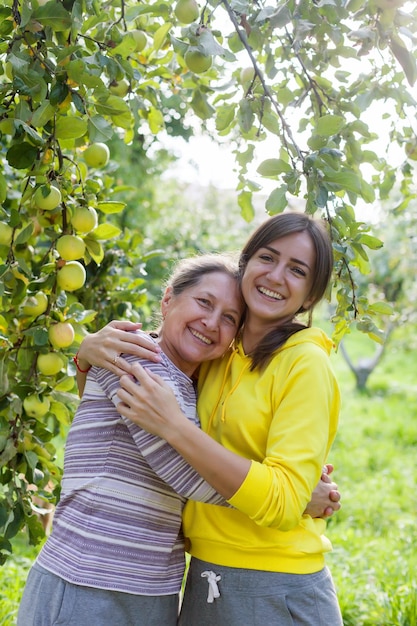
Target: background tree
x: 391, y: 283
x: 81, y: 75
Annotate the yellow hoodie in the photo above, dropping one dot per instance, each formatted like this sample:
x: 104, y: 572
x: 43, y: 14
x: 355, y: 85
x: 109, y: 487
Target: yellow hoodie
x: 284, y: 419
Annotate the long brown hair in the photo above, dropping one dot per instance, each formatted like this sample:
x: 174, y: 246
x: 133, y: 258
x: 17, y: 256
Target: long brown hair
x: 275, y: 228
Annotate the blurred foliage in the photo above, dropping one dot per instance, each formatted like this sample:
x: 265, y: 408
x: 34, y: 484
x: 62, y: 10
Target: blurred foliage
x: 86, y: 90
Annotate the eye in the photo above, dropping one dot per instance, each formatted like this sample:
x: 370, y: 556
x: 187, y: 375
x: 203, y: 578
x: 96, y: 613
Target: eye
x: 266, y: 257
x: 204, y: 302
x: 299, y: 271
x: 230, y: 319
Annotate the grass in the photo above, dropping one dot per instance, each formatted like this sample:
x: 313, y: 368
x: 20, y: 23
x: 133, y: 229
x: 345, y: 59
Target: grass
x: 374, y: 560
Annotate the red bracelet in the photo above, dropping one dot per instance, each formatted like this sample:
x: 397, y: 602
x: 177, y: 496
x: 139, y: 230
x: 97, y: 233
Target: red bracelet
x: 77, y: 365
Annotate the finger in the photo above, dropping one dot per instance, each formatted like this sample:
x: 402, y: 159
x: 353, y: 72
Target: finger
x: 334, y: 496
x: 144, y: 375
x: 329, y: 468
x: 125, y: 325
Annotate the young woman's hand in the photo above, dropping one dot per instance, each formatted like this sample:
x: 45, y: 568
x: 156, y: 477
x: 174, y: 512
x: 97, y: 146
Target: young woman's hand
x: 325, y: 499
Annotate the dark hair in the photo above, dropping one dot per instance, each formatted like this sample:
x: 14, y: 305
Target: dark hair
x: 275, y: 228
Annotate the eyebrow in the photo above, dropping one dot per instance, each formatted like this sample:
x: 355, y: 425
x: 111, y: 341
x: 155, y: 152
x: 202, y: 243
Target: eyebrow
x: 293, y: 259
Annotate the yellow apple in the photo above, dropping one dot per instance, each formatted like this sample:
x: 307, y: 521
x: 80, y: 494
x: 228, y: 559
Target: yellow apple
x: 35, y: 305
x: 247, y: 74
x: 139, y: 38
x: 119, y: 88
x: 96, y: 155
x: 71, y: 276
x: 186, y: 11
x: 36, y: 406
x: 61, y: 335
x: 84, y: 219
x: 196, y: 61
x: 70, y: 247
x: 50, y: 364
x: 6, y: 232
x: 47, y: 197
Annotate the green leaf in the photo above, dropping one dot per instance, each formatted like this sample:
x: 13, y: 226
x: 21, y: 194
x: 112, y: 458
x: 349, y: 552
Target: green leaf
x: 106, y: 231
x: 329, y: 125
x: 201, y: 106
x: 225, y: 116
x: 3, y: 188
x: 246, y: 115
x: 273, y: 167
x: 161, y: 35
x: 54, y: 15
x: 111, y: 206
x: 277, y: 200
x: 99, y: 129
x: 70, y: 127
x: 404, y: 57
x: 345, y: 180
x: 21, y: 155
x: 371, y: 242
x: 155, y: 120
x: 42, y: 114
x: 247, y: 211
x: 382, y: 308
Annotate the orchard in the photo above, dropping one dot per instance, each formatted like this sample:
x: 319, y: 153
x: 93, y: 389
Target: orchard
x: 77, y: 75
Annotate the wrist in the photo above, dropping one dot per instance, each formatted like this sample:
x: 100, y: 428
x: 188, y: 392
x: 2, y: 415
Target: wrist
x: 81, y: 364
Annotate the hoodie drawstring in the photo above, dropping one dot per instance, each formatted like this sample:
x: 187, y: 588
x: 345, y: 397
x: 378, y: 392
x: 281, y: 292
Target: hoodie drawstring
x: 212, y: 580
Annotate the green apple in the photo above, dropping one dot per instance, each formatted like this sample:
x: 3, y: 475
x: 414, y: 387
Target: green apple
x: 186, y: 11
x: 96, y: 155
x: 119, y: 88
x: 47, y: 197
x: 139, y: 38
x: 247, y: 74
x: 71, y: 276
x: 50, y: 364
x: 84, y: 219
x: 61, y: 335
x: 196, y: 61
x: 35, y: 305
x: 36, y: 406
x: 70, y: 247
x: 6, y: 232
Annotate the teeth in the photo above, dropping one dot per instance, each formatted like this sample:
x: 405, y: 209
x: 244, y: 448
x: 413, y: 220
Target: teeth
x: 270, y: 294
x: 201, y: 337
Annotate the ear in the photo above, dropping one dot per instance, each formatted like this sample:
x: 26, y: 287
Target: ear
x: 166, y: 300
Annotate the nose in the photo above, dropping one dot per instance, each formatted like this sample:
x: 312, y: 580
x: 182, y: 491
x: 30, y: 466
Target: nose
x: 276, y: 273
x: 212, y: 320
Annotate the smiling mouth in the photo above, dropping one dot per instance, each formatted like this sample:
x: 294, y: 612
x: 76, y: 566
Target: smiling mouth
x: 271, y: 294
x: 201, y: 337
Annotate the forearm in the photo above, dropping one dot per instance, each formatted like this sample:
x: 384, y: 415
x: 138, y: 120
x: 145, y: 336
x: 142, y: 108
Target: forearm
x: 221, y: 468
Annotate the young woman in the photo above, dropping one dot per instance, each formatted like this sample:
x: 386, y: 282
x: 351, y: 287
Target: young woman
x: 269, y: 409
x: 116, y: 552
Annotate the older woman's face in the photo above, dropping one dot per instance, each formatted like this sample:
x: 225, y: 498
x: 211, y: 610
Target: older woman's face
x: 201, y: 322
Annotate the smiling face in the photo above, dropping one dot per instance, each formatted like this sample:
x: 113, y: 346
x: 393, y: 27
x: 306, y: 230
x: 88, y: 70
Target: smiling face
x: 277, y: 281
x: 201, y: 322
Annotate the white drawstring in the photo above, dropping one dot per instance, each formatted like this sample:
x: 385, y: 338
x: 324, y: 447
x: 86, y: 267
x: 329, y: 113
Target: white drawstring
x: 212, y: 580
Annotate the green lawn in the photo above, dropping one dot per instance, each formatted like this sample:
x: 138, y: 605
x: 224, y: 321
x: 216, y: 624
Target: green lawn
x: 374, y: 536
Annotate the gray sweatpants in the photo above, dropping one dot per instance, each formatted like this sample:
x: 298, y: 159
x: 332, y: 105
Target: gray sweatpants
x: 257, y: 598
x: 49, y: 600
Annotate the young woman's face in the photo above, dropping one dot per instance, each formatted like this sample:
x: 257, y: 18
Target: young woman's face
x: 278, y: 280
x: 201, y: 322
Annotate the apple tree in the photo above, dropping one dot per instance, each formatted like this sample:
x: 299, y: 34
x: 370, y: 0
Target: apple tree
x: 311, y: 96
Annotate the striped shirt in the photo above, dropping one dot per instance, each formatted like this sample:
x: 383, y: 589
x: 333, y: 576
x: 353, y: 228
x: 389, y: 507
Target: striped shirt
x: 118, y: 522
